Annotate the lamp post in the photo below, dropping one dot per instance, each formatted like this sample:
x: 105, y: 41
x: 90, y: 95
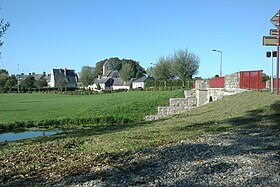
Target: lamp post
x: 221, y: 60
x: 155, y: 82
x: 18, y: 77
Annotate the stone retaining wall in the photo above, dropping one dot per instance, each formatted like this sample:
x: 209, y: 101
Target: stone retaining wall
x: 176, y: 106
x: 202, y: 94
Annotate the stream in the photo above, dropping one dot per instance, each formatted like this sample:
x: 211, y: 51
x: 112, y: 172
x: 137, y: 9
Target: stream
x: 12, y: 136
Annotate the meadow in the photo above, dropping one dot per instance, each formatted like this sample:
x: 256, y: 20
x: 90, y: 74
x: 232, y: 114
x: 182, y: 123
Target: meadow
x: 58, y: 110
x: 46, y: 160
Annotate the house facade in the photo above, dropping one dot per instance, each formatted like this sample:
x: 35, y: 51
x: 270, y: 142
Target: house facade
x: 69, y: 76
x: 140, y: 83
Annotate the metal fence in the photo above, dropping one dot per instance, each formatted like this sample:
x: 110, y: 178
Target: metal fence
x: 251, y: 80
x: 218, y: 82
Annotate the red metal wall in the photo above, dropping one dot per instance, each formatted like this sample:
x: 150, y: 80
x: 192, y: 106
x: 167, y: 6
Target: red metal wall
x: 251, y: 80
x: 218, y: 82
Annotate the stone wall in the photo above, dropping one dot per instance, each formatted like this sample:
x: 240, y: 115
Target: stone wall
x: 181, y: 102
x: 201, y: 95
x: 202, y: 84
x: 176, y: 106
x: 232, y: 82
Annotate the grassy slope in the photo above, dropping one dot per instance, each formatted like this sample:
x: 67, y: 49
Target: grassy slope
x: 32, y: 107
x: 81, y: 151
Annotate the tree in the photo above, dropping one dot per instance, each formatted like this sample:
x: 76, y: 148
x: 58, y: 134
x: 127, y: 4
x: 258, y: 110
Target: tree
x: 185, y: 65
x: 3, y: 77
x: 163, y: 69
x: 139, y: 74
x: 126, y: 72
x: 265, y: 77
x: 28, y: 82
x: 11, y: 82
x: 151, y: 71
x: 3, y: 71
x: 61, y: 83
x: 116, y: 64
x: 99, y: 68
x: 41, y: 83
x: 87, y: 75
x: 3, y: 28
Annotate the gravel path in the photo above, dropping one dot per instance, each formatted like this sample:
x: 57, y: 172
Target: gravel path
x: 244, y: 158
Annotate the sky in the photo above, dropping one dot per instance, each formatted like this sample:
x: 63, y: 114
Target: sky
x: 46, y: 34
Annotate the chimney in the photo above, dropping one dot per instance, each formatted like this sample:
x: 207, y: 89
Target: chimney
x: 76, y: 78
x: 33, y: 73
x: 44, y: 73
x: 65, y: 72
x: 29, y: 73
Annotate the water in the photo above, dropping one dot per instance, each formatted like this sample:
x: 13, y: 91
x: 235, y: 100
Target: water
x: 27, y: 134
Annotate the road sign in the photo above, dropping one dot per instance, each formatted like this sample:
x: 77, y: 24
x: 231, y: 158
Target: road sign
x: 273, y: 32
x: 268, y: 54
x: 270, y: 40
x: 274, y: 19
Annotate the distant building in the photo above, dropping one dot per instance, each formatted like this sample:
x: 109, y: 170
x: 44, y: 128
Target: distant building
x: 140, y: 83
x: 36, y: 76
x: 110, y: 80
x: 69, y: 75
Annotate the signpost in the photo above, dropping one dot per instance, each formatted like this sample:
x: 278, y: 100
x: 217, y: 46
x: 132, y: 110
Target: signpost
x: 270, y: 40
x: 274, y: 40
x: 273, y: 32
x: 271, y: 54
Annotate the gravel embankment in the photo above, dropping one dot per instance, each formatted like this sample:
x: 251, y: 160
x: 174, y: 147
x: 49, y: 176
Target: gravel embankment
x: 243, y: 158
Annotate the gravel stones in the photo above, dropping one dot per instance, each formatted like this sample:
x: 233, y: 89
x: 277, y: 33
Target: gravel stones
x: 243, y: 158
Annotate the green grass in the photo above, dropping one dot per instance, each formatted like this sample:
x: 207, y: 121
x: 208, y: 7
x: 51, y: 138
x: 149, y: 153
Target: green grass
x: 46, y: 109
x: 84, y: 150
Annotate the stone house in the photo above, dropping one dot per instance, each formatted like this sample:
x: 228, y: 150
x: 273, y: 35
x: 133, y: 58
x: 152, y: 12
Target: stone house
x: 110, y: 80
x: 69, y: 75
x: 35, y: 75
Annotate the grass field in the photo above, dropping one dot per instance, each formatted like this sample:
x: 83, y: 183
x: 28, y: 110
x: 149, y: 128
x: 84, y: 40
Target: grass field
x: 85, y: 150
x: 56, y: 109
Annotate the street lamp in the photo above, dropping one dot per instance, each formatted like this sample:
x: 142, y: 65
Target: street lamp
x: 155, y: 82
x: 221, y: 60
x: 18, y: 76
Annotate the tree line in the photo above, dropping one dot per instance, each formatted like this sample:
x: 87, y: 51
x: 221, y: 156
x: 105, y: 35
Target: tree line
x: 181, y: 65
x: 8, y: 82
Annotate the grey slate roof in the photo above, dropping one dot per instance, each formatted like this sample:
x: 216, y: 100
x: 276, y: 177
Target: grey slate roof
x: 38, y: 76
x: 120, y: 82
x: 69, y: 75
x: 144, y: 78
x: 112, y: 74
x: 101, y: 81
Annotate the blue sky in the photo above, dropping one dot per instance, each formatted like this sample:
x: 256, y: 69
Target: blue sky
x: 47, y: 34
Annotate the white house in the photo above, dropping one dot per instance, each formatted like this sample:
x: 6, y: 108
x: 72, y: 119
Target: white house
x: 140, y: 83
